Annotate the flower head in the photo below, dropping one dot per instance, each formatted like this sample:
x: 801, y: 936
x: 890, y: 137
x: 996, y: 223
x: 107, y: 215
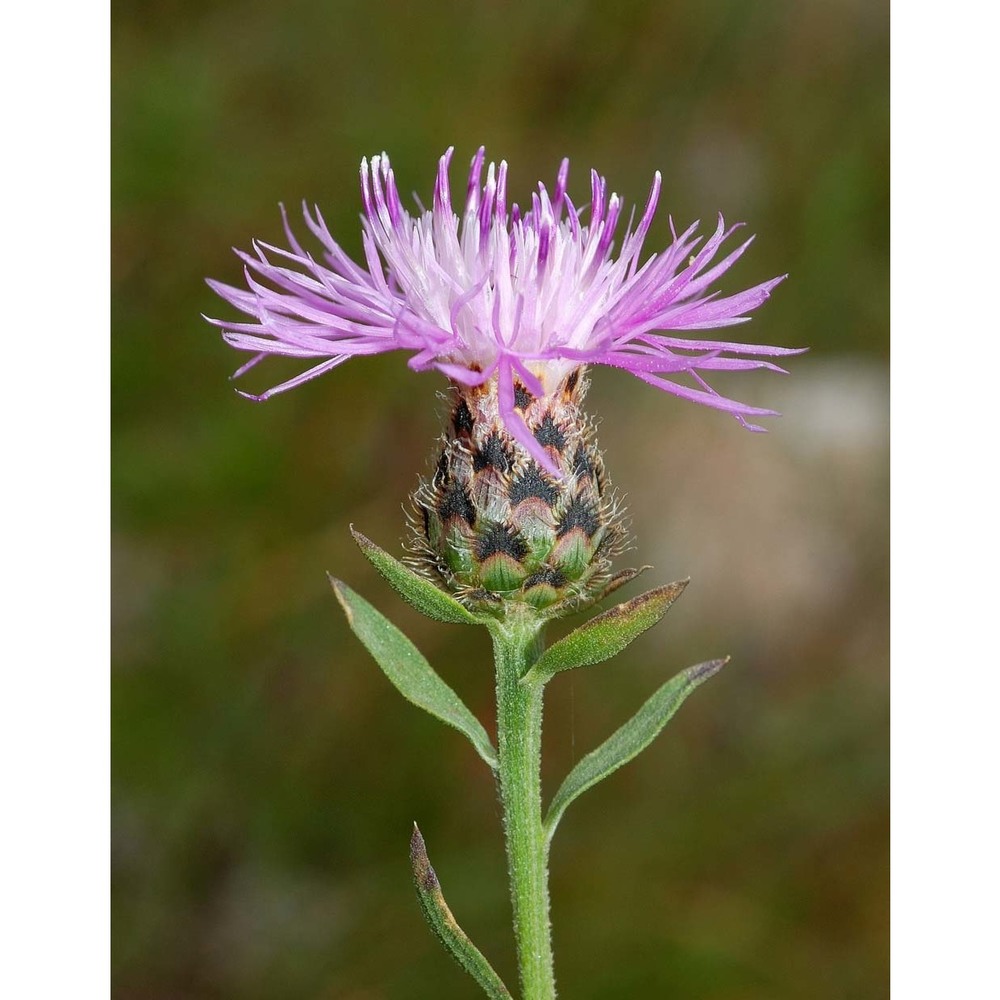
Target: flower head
x: 522, y: 297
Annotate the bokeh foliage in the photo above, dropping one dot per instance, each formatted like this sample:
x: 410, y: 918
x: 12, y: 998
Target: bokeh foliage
x: 265, y: 775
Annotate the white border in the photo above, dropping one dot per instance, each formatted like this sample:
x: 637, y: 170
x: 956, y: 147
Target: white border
x: 945, y: 501
x: 55, y: 649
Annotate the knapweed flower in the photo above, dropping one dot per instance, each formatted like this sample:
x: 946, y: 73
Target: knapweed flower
x: 511, y: 306
x: 497, y: 292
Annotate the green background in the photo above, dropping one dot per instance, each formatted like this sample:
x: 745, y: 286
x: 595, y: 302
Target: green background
x: 265, y: 774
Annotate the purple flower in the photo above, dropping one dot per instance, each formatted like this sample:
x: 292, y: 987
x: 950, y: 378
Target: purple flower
x: 519, y: 296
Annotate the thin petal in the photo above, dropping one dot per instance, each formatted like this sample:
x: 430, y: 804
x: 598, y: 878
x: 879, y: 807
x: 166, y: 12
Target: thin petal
x: 711, y: 399
x: 305, y: 376
x: 515, y: 422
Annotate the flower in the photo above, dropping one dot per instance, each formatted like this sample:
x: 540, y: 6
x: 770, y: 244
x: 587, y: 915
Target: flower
x: 500, y: 294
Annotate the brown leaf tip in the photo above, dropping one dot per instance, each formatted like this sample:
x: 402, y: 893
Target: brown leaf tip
x: 705, y: 670
x: 363, y: 541
x: 421, y: 863
x: 338, y: 590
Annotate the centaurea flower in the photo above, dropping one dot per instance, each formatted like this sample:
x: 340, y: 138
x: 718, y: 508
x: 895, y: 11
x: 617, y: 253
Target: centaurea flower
x: 503, y: 296
x: 517, y: 522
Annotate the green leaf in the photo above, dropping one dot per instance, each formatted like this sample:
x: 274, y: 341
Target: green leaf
x: 607, y: 634
x: 628, y: 741
x: 412, y: 675
x: 412, y: 587
x: 443, y: 924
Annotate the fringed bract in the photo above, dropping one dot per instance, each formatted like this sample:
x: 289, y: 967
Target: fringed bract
x: 492, y: 526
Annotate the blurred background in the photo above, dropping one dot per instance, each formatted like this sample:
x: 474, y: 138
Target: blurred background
x: 266, y: 775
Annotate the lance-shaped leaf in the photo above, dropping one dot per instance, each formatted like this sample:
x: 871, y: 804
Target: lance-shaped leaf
x: 412, y: 675
x: 443, y: 924
x: 607, y: 634
x: 412, y: 587
x: 630, y: 740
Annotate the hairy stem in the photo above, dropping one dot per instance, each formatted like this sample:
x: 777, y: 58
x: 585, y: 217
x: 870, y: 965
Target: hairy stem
x: 517, y: 644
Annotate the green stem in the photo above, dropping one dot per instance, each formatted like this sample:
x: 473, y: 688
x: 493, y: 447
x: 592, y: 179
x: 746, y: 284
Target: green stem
x: 517, y: 644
